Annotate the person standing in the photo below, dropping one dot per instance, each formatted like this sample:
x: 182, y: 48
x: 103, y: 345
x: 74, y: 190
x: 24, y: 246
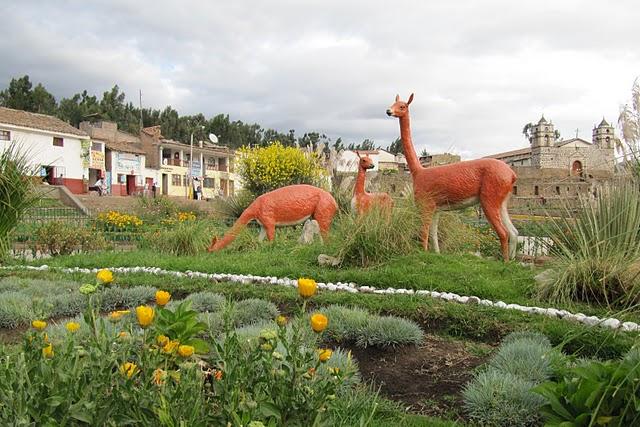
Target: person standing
x: 154, y: 188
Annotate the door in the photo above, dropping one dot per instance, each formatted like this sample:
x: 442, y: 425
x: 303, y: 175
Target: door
x: 131, y: 184
x: 576, y: 168
x: 165, y: 184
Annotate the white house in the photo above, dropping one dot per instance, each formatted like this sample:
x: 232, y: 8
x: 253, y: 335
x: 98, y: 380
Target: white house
x: 59, y: 151
x: 348, y: 160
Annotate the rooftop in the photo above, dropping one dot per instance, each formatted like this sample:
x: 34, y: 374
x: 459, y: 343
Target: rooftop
x: 37, y: 121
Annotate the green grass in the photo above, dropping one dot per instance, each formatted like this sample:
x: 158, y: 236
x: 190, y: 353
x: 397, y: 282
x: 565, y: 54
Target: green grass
x: 461, y: 274
x: 471, y: 322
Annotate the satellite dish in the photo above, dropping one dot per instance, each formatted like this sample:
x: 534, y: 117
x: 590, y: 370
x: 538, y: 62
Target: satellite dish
x: 213, y: 138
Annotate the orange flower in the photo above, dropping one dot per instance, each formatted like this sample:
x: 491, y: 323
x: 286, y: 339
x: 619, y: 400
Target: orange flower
x: 159, y: 376
x: 319, y: 322
x: 162, y: 298
x: 217, y: 374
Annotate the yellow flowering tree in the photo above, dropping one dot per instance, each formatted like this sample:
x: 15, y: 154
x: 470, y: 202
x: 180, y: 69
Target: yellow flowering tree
x: 266, y: 168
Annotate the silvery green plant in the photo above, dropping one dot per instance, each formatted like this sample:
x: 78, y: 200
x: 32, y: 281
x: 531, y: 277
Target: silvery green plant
x: 525, y: 358
x: 206, y: 301
x: 497, y: 398
x: 253, y: 310
x: 345, y: 323
x: 389, y: 331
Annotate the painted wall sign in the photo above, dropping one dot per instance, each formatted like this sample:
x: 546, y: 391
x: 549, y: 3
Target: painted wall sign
x: 127, y: 163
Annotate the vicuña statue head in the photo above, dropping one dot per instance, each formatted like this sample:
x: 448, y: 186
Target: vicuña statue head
x: 365, y: 162
x: 212, y: 246
x: 399, y: 108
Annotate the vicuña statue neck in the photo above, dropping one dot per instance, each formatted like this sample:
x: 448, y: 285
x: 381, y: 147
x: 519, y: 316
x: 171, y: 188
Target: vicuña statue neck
x: 407, y: 144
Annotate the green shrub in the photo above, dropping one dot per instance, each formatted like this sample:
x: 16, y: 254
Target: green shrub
x: 63, y: 238
x: 536, y: 337
x: 206, y: 301
x: 66, y: 305
x: 345, y: 323
x: 114, y: 297
x: 17, y: 192
x: 595, y: 393
x: 378, y: 235
x: 389, y: 331
x: 496, y: 398
x: 597, y: 247
x: 214, y: 322
x: 253, y: 310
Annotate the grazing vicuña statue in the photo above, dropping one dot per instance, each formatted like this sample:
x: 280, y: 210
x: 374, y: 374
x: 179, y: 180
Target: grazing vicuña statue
x: 289, y: 205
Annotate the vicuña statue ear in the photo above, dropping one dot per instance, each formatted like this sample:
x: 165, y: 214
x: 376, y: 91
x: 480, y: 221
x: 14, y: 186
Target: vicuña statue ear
x: 410, y: 99
x: 358, y: 154
x: 397, y: 98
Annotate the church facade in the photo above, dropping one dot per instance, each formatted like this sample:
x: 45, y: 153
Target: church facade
x: 552, y: 171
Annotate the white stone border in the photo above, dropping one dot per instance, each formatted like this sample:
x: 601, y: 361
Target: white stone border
x: 610, y: 322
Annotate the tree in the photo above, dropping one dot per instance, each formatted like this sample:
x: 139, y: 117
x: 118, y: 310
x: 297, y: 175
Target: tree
x: 18, y: 95
x: 527, y: 129
x: 424, y: 153
x: 42, y: 101
x: 396, y: 147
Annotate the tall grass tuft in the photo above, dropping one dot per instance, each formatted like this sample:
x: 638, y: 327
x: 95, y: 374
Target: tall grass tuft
x: 185, y: 238
x: 378, y: 235
x: 17, y: 192
x: 598, y: 249
x: 230, y: 208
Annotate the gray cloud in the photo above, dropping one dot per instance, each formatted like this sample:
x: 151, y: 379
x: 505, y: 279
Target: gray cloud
x: 480, y: 70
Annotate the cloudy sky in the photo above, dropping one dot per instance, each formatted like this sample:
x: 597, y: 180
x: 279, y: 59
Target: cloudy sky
x: 480, y: 70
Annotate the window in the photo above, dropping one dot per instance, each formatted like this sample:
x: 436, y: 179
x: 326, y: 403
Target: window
x: 5, y: 135
x: 184, y: 181
x: 558, y: 190
x: 209, y: 183
x: 96, y: 146
x: 536, y: 191
x: 176, y: 180
x: 515, y: 190
x: 58, y: 142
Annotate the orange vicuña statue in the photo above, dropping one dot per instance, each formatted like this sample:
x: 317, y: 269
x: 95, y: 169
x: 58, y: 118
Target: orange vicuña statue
x: 459, y: 185
x: 289, y: 205
x: 363, y: 201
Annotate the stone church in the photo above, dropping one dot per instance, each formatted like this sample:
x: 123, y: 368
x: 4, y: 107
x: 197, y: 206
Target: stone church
x: 551, y: 170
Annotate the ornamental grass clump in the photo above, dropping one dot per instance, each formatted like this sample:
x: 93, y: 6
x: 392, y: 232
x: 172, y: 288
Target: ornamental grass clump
x: 17, y: 191
x: 597, y: 249
x: 378, y: 236
x: 346, y: 322
x: 526, y: 359
x: 16, y: 310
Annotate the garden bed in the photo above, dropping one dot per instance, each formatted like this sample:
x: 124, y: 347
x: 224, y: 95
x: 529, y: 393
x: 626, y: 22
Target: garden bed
x: 427, y: 379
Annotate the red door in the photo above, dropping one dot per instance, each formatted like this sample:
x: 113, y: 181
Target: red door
x: 131, y: 184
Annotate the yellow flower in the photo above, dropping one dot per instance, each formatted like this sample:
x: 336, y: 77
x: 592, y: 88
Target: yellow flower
x: 306, y: 287
x: 325, y: 354
x: 319, y: 322
x: 114, y: 316
x: 162, y: 298
x: 281, y: 320
x: 123, y: 334
x: 334, y: 371
x: 48, y: 351
x: 162, y: 340
x: 104, y: 276
x: 185, y: 350
x: 39, y: 324
x: 128, y: 369
x: 72, y: 326
x: 171, y: 346
x: 159, y: 376
x: 145, y: 315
